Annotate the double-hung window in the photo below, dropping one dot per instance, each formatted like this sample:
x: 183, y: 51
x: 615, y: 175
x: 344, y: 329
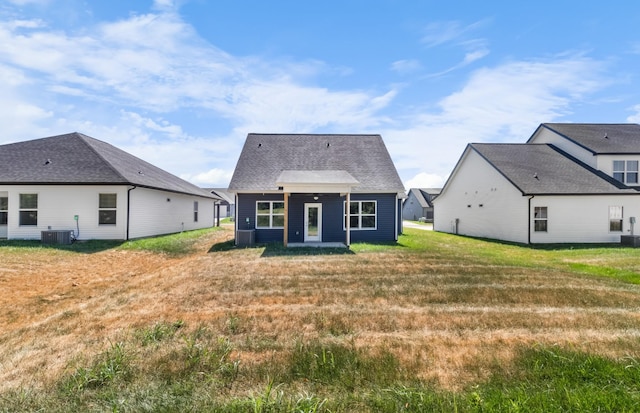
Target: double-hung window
x: 4, y: 210
x: 195, y: 211
x: 28, y: 209
x: 615, y: 219
x: 362, y: 215
x: 626, y: 172
x: 107, y: 208
x: 540, y: 219
x: 270, y: 214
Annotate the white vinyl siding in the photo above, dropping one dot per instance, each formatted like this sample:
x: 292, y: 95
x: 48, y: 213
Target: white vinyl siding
x: 158, y: 212
x: 583, y: 219
x: 151, y: 212
x: 483, y: 202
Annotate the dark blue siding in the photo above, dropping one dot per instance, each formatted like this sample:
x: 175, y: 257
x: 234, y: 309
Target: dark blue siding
x: 386, y: 219
x: 247, y: 209
x: 332, y: 217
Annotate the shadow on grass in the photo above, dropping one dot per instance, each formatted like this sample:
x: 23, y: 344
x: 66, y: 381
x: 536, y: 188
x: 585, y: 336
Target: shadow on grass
x: 278, y: 250
x: 223, y: 246
x: 550, y: 247
x: 82, y: 247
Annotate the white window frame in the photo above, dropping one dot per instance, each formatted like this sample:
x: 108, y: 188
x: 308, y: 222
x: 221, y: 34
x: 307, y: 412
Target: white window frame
x: 538, y: 210
x: 270, y: 214
x: 360, y: 215
x: 4, y: 210
x: 616, y: 215
x: 22, y: 209
x: 626, y: 171
x: 113, y: 209
x: 195, y: 211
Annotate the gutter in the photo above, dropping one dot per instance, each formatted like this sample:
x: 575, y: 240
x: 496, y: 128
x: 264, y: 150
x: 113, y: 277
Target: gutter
x: 529, y: 221
x: 129, y: 210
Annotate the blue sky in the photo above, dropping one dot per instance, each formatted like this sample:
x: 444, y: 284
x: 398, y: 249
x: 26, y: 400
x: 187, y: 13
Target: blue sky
x: 180, y: 83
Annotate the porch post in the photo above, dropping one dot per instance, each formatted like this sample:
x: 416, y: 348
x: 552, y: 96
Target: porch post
x: 348, y: 223
x: 285, y: 236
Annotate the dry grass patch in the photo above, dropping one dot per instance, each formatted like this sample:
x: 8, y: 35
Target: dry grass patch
x: 447, y: 318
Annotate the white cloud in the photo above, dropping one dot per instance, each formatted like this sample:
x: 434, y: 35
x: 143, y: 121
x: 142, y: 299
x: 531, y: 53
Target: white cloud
x: 500, y: 104
x: 212, y: 178
x: 404, y: 67
x: 635, y: 118
x: 425, y: 180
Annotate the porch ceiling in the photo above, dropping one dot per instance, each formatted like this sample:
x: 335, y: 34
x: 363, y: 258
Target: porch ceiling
x: 337, y: 181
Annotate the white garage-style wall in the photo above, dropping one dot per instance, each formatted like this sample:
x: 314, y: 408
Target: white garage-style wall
x: 154, y: 212
x: 58, y: 205
x: 140, y: 212
x: 580, y: 219
x: 483, y: 202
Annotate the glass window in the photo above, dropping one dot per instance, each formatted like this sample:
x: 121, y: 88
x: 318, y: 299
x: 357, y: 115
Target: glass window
x: 626, y: 172
x: 107, y: 207
x: 362, y: 215
x: 615, y: 219
x: 632, y: 172
x: 195, y: 211
x: 4, y: 207
x: 28, y: 209
x: 270, y: 214
x: 540, y: 219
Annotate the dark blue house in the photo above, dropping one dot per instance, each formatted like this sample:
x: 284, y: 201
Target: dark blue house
x: 295, y: 188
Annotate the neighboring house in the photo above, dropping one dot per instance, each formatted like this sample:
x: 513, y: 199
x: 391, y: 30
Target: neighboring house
x: 570, y: 183
x: 294, y: 188
x: 227, y: 201
x: 75, y: 182
x: 419, y: 204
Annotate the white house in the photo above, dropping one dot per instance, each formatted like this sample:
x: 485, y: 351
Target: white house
x: 570, y: 183
x: 77, y: 183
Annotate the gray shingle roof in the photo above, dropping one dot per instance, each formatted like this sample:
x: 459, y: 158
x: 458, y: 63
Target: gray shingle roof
x: 542, y: 169
x: 75, y: 158
x: 425, y: 196
x: 601, y: 138
x: 265, y: 156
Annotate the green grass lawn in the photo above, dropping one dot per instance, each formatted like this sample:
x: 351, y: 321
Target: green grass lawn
x: 172, y: 366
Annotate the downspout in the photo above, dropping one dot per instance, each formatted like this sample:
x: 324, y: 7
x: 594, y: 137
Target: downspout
x: 129, y: 210
x: 529, y: 221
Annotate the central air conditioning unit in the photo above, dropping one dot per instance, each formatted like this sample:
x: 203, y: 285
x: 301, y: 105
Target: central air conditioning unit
x: 63, y: 237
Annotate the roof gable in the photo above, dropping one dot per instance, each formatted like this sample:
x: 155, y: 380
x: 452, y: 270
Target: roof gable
x: 75, y: 158
x: 364, y: 157
x: 542, y: 169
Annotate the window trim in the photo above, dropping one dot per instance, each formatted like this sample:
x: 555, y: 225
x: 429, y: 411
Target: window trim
x: 4, y: 212
x: 271, y: 215
x: 22, y: 209
x: 107, y: 209
x: 613, y: 219
x: 359, y: 215
x: 625, y: 171
x: 541, y: 219
x: 195, y: 211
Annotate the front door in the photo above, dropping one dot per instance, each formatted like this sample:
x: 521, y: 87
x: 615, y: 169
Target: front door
x: 312, y: 222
